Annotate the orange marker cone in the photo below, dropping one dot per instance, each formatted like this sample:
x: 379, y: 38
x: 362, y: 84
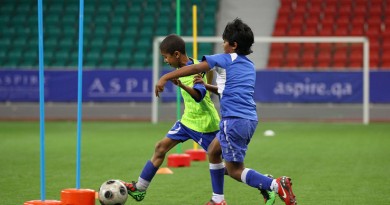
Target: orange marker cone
x: 78, y: 197
x: 46, y: 202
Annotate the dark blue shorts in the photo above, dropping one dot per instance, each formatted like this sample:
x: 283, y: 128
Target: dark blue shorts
x: 182, y: 133
x: 234, y: 137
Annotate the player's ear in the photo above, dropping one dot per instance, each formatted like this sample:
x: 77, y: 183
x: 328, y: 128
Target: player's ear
x: 177, y: 54
x: 234, y: 45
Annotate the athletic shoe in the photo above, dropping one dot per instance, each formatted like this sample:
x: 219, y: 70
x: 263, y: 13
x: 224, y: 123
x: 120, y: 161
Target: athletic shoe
x: 269, y: 196
x: 211, y: 202
x: 285, y: 190
x: 133, y: 191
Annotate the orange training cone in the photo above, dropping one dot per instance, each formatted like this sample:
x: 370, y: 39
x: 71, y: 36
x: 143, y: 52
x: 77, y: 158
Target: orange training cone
x: 179, y: 160
x: 78, y: 197
x: 197, y: 154
x: 46, y: 202
x: 164, y: 170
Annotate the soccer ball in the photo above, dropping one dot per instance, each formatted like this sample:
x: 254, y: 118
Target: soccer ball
x: 112, y: 192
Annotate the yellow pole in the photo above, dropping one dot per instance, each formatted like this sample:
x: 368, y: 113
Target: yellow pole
x: 195, y: 42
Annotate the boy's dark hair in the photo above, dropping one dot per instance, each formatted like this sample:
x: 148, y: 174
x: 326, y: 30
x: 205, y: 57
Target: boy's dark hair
x: 173, y: 43
x: 239, y: 32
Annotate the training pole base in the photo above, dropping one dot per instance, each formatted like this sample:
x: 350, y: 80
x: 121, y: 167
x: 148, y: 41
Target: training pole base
x: 78, y: 196
x: 46, y: 202
x: 179, y: 160
x: 197, y: 154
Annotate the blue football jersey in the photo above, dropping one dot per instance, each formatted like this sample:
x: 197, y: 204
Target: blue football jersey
x: 237, y: 89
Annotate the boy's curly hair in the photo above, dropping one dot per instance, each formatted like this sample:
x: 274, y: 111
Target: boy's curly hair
x: 173, y: 43
x: 239, y: 32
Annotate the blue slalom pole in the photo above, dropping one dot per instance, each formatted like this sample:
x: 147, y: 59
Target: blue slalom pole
x: 79, y: 93
x: 41, y: 100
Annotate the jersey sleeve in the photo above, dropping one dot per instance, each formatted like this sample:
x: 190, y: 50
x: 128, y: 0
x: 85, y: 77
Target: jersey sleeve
x: 220, y: 60
x: 201, y: 89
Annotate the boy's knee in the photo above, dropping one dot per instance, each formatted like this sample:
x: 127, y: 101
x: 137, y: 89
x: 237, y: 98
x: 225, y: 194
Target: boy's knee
x: 160, y: 150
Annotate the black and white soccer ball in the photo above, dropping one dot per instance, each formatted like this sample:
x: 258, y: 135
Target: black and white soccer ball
x: 112, y: 192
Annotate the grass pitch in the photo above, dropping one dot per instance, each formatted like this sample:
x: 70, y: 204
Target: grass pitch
x: 330, y: 163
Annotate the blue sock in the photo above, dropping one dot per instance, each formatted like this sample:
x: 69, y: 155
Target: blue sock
x: 217, y: 173
x: 255, y: 179
x: 149, y: 171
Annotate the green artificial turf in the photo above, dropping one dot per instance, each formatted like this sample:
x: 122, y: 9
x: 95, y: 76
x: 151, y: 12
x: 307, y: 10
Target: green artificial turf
x: 329, y: 163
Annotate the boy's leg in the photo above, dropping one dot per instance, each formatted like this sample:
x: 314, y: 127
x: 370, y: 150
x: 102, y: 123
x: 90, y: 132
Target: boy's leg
x: 217, y: 172
x: 138, y: 189
x: 269, y: 196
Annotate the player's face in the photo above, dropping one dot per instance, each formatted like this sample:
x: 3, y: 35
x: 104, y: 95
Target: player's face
x: 227, y: 48
x: 170, y: 59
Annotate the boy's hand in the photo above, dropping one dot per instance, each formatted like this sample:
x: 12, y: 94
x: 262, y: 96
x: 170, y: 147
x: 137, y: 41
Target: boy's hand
x: 160, y: 86
x: 176, y: 82
x: 198, y: 79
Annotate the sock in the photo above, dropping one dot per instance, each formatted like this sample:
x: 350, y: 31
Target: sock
x: 146, y: 176
x: 255, y: 179
x: 217, y: 173
x: 217, y: 198
x: 274, y: 186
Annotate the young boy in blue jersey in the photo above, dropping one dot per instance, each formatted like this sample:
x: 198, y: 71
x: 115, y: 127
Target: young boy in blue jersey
x: 199, y: 122
x: 236, y: 87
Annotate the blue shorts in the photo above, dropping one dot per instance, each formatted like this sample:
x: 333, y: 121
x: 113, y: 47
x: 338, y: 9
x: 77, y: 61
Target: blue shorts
x: 234, y: 137
x: 182, y: 133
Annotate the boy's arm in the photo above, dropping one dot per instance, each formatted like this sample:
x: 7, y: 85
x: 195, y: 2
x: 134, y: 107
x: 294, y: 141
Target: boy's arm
x: 208, y: 85
x: 183, y: 71
x: 193, y: 92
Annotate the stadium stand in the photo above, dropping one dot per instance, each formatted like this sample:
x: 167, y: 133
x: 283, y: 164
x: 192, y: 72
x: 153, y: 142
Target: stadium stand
x: 117, y: 33
x: 331, y: 18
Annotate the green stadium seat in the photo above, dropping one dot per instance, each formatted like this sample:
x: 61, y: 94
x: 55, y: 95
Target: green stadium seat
x: 48, y: 53
x: 19, y: 19
x: 4, y: 19
x: 92, y: 55
x: 3, y: 54
x: 7, y: 8
x: 133, y: 21
x: 96, y: 42
x: 59, y: 63
x: 55, y: 8
x: 117, y: 20
x: 19, y: 42
x: 70, y: 19
x: 100, y: 31
x: 148, y: 21
x: 66, y: 42
x: 5, y: 42
x: 53, y: 30
x: 124, y: 58
x: 31, y: 53
x: 22, y: 8
x: 130, y: 32
x: 127, y: 44
x: 50, y: 41
x: 102, y: 20
x: 72, y: 8
x: 112, y: 42
x: 63, y: 54
x: 104, y: 8
x: 12, y: 63
x: 139, y: 57
x: 119, y: 10
x: 146, y: 32
x: 115, y: 32
x: 144, y: 43
x: 161, y: 31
